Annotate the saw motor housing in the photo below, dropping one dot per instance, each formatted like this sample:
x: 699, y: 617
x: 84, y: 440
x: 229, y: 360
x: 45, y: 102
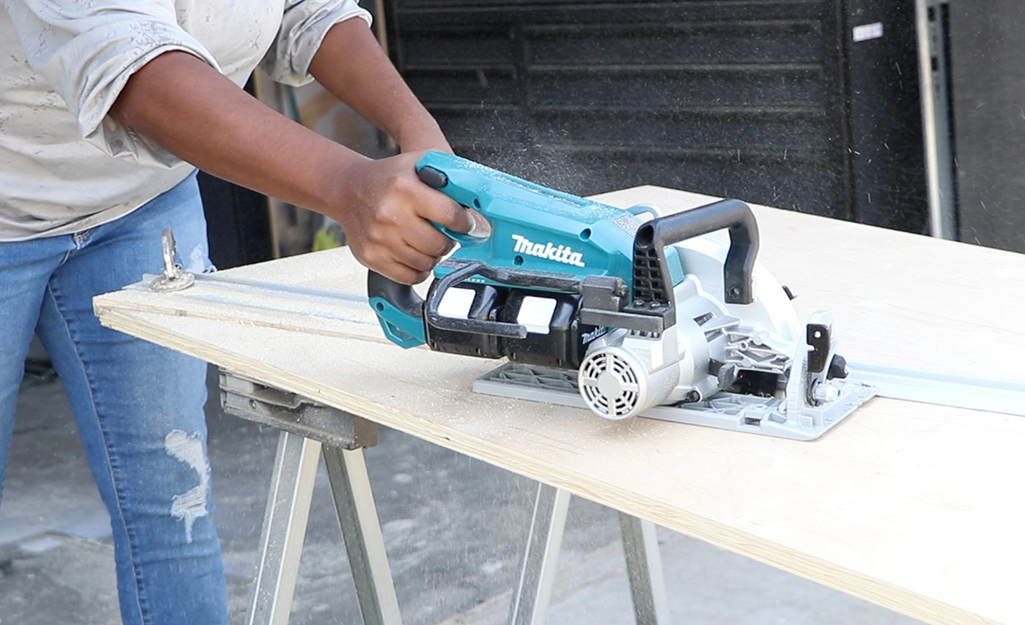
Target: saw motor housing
x: 647, y: 312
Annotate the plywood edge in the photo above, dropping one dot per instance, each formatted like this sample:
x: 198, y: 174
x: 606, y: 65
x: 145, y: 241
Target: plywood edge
x: 278, y: 320
x: 820, y: 571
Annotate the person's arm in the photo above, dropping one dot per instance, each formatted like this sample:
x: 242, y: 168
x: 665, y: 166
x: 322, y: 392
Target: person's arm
x: 193, y: 111
x: 351, y: 65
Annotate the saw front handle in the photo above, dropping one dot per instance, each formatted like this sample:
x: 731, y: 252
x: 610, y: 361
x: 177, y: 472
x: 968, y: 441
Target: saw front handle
x: 400, y: 309
x: 652, y: 279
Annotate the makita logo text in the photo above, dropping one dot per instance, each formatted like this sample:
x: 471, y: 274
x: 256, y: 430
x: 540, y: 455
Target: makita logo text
x: 596, y: 333
x: 560, y: 254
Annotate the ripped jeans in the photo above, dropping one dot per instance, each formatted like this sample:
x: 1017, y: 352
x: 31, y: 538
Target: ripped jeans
x: 138, y: 407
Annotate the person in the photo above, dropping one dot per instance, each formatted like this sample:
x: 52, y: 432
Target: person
x: 106, y: 109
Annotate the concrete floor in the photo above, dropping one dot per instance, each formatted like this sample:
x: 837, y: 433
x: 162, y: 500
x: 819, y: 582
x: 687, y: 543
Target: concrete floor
x: 453, y: 528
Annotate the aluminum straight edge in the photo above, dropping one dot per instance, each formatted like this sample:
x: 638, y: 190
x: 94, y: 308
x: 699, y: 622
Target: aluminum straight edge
x: 894, y: 383
x: 281, y: 288
x: 939, y: 388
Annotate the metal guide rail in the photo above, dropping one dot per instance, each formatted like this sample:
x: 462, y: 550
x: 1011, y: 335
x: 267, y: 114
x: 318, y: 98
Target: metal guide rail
x: 991, y: 395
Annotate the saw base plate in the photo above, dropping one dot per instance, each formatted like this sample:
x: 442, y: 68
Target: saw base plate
x: 727, y: 411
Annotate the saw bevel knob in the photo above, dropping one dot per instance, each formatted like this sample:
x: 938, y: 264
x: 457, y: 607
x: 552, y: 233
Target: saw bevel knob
x: 837, y: 368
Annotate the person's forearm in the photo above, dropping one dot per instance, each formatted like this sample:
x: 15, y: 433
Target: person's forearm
x: 181, y: 103
x: 202, y: 117
x: 352, y: 66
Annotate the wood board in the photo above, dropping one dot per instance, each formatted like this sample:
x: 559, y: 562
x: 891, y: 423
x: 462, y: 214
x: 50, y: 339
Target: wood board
x: 911, y: 506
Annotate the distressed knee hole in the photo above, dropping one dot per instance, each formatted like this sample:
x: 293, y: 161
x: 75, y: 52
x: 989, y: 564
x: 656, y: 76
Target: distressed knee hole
x: 198, y: 261
x: 190, y: 505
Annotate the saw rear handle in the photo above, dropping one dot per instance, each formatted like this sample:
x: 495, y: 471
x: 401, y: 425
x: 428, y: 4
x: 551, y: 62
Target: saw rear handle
x: 437, y: 179
x: 396, y: 301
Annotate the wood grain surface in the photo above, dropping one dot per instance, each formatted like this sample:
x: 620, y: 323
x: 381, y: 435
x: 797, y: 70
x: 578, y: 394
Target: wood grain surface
x: 911, y: 506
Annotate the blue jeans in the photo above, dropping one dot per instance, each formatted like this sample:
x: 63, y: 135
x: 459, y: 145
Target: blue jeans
x: 138, y: 407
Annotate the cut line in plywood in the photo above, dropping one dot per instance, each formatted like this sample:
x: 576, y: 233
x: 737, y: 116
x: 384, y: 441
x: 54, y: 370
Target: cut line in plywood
x: 911, y: 506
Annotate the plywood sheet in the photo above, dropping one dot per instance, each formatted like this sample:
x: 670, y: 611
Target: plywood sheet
x: 912, y: 506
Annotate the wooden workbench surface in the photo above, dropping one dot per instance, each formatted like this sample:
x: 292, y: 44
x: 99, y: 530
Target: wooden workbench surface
x: 911, y: 506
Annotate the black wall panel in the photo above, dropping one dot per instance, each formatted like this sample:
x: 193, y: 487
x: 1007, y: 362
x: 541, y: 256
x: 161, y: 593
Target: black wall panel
x: 740, y: 98
x: 887, y: 153
x: 987, y: 52
x: 237, y: 223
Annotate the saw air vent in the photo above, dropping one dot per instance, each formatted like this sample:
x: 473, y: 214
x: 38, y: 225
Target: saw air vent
x: 649, y: 284
x: 609, y: 385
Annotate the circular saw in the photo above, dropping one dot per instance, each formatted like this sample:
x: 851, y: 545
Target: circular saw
x: 625, y: 312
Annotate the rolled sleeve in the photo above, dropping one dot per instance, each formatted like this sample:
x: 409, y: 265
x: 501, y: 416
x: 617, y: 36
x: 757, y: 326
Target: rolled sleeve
x: 88, y: 51
x: 303, y: 27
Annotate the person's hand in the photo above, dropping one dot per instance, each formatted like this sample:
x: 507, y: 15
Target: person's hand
x: 386, y: 212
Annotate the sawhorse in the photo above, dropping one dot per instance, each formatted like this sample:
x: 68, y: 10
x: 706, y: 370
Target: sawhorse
x: 533, y: 592
x: 310, y: 431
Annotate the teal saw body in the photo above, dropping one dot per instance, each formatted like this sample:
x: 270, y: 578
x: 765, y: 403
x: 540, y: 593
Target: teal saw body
x: 534, y: 230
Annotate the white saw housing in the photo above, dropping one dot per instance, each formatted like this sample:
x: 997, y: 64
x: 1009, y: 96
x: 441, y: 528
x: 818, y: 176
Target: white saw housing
x: 626, y: 373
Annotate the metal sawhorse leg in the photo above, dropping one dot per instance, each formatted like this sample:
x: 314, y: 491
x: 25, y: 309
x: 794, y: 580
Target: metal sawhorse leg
x: 529, y: 605
x: 309, y: 431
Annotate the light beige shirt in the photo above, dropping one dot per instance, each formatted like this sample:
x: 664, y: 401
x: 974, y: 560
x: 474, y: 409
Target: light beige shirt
x: 65, y: 164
